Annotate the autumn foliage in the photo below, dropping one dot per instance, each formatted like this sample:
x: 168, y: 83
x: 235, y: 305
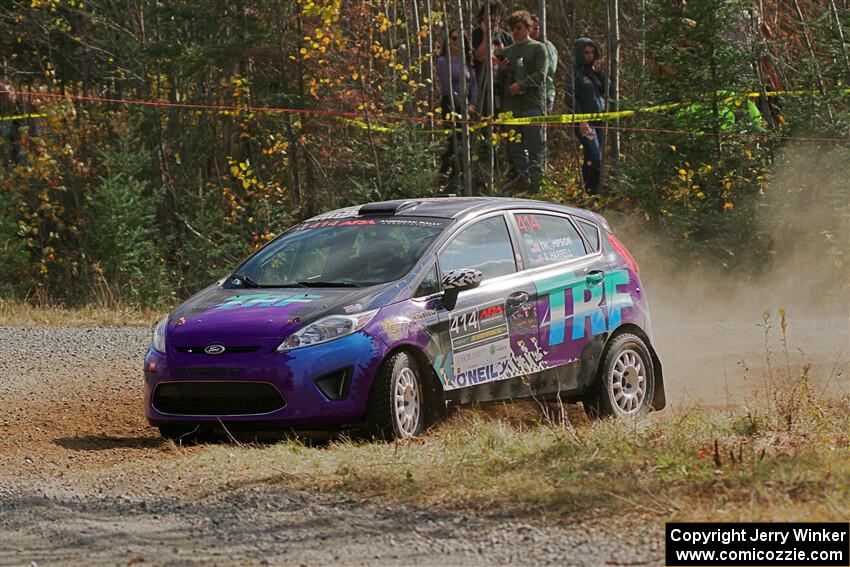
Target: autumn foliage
x: 120, y: 203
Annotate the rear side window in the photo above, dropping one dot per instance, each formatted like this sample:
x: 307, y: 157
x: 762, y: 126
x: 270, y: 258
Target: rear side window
x: 591, y: 232
x: 549, y: 239
x: 485, y: 245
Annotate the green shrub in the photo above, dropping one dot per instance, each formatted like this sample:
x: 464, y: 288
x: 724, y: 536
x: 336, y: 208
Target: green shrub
x: 122, y: 244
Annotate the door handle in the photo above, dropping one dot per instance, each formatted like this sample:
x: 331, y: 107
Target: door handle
x: 594, y: 277
x: 517, y: 299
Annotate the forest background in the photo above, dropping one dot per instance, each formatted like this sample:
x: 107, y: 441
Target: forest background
x: 122, y: 203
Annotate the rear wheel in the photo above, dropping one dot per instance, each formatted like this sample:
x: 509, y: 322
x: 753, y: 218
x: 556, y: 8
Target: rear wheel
x: 396, y: 402
x: 625, y: 384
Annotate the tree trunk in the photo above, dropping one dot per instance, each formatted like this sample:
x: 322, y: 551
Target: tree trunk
x: 430, y: 66
x: 614, y: 103
x: 541, y: 14
x: 837, y: 21
x: 811, y: 49
x: 489, y: 109
x: 417, y: 28
x: 446, y: 35
x: 407, y: 47
x: 464, y: 97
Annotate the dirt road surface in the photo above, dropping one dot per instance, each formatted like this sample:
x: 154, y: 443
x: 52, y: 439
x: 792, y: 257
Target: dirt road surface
x: 71, y: 422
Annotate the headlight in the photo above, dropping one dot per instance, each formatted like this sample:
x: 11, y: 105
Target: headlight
x: 327, y: 329
x: 158, y: 342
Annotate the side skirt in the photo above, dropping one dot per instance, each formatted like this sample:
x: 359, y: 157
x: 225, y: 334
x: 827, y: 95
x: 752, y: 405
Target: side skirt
x: 569, y: 381
x: 547, y: 384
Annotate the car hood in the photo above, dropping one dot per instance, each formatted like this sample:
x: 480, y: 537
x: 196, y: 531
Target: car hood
x: 269, y: 313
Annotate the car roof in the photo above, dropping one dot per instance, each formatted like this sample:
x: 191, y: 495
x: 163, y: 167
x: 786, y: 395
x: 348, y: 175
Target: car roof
x: 454, y: 207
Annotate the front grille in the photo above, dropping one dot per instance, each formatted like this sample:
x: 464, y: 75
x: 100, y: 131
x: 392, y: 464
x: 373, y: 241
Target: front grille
x: 227, y: 349
x: 208, y: 371
x: 217, y: 398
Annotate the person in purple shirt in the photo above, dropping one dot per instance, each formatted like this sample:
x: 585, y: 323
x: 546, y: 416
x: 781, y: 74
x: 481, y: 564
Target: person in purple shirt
x: 451, y: 90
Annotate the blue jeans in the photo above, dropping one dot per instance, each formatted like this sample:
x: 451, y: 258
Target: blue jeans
x: 527, y: 154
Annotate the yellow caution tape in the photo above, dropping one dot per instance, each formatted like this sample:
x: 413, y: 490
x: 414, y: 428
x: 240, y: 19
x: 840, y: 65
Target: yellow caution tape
x: 22, y: 116
x: 507, y: 119
x: 364, y: 126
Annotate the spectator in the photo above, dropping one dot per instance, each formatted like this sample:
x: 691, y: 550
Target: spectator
x: 586, y: 84
x: 499, y: 39
x: 450, y: 89
x: 16, y: 132
x: 522, y: 79
x: 552, y: 63
x: 10, y: 129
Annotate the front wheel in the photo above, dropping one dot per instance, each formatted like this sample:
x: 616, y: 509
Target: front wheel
x: 625, y: 384
x: 396, y: 401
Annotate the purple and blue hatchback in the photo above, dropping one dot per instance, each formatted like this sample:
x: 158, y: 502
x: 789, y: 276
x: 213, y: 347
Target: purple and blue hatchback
x: 378, y: 317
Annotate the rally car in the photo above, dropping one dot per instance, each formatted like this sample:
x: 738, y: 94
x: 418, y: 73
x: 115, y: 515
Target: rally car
x: 378, y: 317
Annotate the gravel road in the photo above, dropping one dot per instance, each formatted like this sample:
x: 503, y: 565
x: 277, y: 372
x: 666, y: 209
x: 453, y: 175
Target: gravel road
x: 71, y: 420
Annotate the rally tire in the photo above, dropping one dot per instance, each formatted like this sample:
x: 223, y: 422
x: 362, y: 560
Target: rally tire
x: 625, y: 383
x: 396, y: 403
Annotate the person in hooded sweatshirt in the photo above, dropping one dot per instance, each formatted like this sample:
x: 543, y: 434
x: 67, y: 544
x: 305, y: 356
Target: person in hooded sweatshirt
x: 585, y: 89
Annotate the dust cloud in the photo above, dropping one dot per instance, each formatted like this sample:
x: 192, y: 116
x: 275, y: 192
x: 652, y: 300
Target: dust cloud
x: 718, y: 330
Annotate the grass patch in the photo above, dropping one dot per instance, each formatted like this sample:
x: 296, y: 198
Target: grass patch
x: 685, y: 464
x: 20, y: 314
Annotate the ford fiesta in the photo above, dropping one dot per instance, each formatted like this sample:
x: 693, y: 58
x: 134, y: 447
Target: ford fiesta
x: 377, y: 317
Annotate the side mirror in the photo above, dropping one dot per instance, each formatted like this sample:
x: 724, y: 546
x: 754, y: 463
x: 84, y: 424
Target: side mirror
x: 457, y: 281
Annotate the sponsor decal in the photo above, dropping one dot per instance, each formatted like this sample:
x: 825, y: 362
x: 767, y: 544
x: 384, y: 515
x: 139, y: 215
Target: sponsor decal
x: 479, y: 357
x: 411, y: 222
x: 424, y: 315
x: 482, y: 363
x: 401, y: 327
x: 553, y: 250
x: 482, y: 351
x: 443, y: 366
x: 339, y: 214
x: 523, y: 319
x: 528, y: 361
x: 527, y: 223
x: 586, y: 304
x: 338, y: 223
x: 250, y: 300
x: 488, y: 363
x: 480, y: 324
x: 397, y: 328
x: 353, y: 220
x: 353, y: 308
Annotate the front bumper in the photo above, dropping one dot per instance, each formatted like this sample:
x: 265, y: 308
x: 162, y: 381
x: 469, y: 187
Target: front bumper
x: 320, y: 386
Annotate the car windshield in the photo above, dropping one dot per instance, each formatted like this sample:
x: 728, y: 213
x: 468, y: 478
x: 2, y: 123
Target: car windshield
x: 347, y: 252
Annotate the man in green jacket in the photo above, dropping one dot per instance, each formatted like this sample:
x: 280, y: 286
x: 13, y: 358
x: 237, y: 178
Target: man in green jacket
x: 522, y: 80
